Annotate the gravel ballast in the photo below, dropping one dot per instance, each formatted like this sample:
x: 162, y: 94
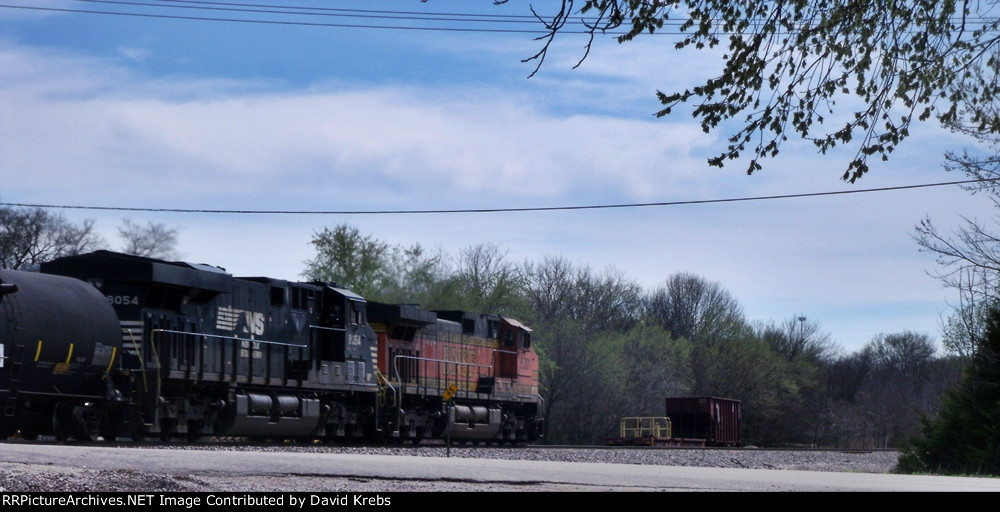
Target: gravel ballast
x: 51, y: 478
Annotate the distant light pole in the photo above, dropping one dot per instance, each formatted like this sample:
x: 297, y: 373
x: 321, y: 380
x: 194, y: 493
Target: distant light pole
x: 802, y: 331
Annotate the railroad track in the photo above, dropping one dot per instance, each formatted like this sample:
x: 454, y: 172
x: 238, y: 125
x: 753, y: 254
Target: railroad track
x: 242, y: 443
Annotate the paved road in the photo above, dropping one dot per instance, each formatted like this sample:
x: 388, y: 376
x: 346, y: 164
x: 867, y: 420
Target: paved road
x: 474, y: 474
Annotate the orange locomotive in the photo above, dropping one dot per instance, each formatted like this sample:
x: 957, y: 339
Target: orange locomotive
x: 457, y: 375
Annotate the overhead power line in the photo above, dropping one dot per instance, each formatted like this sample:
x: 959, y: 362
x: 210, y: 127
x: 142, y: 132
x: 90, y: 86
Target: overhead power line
x: 269, y: 14
x: 287, y: 17
x: 493, y: 210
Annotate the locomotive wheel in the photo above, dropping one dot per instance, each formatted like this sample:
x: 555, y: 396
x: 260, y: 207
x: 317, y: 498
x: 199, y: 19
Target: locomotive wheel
x: 194, y: 431
x: 74, y: 422
x: 167, y: 426
x: 29, y: 434
x: 109, y: 430
x: 62, y: 420
x: 138, y: 433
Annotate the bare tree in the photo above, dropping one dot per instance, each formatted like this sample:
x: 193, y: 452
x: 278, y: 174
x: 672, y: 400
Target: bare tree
x: 798, y: 338
x: 153, y: 240
x: 599, y: 301
x: 689, y: 306
x: 904, y: 353
x: 487, y: 281
x: 29, y: 236
x: 899, y: 388
x: 963, y: 331
x: 549, y: 287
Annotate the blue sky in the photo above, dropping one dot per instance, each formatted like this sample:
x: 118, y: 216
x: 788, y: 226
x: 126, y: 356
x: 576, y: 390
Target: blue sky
x: 303, y: 112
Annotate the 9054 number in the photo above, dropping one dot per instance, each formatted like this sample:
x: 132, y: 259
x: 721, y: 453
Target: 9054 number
x: 123, y: 300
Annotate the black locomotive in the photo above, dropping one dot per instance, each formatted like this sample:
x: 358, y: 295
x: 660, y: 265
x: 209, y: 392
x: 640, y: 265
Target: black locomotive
x: 111, y: 345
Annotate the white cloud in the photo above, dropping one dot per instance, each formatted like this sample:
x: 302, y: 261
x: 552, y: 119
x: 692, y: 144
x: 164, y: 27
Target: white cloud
x: 135, y: 54
x: 428, y: 142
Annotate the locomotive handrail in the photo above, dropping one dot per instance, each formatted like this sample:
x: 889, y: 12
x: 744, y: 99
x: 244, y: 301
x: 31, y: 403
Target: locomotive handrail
x: 311, y: 326
x: 237, y: 338
x: 396, y: 400
x: 395, y: 370
x: 142, y: 362
x: 401, y: 356
x: 198, y: 340
x: 381, y: 379
x: 396, y: 358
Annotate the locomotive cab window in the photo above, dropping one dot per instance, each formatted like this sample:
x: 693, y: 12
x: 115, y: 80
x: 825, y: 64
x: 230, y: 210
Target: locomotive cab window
x: 336, y: 315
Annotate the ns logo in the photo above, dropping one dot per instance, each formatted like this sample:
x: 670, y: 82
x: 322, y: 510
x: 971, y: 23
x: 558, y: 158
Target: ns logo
x: 239, y: 320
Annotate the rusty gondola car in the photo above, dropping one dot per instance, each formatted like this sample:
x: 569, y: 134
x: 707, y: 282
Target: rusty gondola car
x: 716, y: 420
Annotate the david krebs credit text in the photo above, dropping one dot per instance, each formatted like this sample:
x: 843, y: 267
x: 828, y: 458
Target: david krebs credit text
x: 291, y: 500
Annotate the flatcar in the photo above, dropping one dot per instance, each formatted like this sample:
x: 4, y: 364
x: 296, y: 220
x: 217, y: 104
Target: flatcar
x: 112, y: 345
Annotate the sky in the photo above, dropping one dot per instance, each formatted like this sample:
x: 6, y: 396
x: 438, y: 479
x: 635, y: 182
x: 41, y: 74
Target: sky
x: 113, y: 109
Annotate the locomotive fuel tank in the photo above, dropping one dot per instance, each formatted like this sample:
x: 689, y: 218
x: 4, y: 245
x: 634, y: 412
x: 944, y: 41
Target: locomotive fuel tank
x: 58, y: 340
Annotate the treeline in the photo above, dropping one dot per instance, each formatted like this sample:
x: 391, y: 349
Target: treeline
x: 611, y: 348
